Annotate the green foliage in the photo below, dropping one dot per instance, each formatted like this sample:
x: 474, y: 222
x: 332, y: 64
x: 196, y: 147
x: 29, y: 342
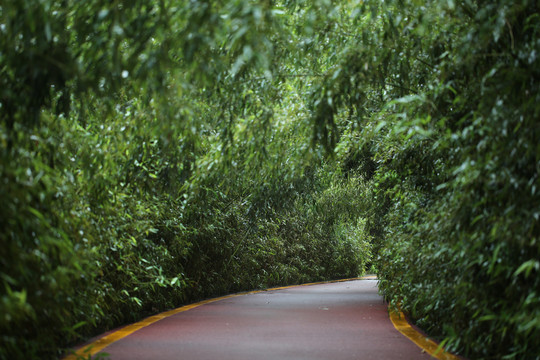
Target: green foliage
x: 158, y: 152
x: 446, y: 113
x: 155, y: 153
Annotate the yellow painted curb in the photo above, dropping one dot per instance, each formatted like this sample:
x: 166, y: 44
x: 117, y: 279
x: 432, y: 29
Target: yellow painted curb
x: 100, y: 344
x: 429, y: 346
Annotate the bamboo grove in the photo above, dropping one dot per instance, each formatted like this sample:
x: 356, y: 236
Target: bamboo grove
x: 153, y: 153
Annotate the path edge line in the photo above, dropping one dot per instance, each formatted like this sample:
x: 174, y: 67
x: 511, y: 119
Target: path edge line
x: 98, y: 345
x: 431, y: 347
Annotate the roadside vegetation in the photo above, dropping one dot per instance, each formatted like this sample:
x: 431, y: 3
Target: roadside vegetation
x: 153, y: 153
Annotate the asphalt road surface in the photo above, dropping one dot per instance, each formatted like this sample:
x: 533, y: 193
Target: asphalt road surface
x: 331, y: 321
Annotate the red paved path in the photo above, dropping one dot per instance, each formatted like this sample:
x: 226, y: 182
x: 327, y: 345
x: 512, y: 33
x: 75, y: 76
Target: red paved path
x: 345, y: 320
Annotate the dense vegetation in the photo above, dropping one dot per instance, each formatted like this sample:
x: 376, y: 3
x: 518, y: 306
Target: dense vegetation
x: 158, y: 152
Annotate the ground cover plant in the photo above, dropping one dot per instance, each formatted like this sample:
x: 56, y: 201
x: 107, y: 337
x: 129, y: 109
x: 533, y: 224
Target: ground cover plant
x: 153, y: 153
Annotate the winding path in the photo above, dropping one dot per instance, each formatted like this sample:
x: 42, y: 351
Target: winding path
x: 331, y: 321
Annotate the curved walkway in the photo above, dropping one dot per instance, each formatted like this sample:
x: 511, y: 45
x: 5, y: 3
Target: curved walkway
x: 337, y: 320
